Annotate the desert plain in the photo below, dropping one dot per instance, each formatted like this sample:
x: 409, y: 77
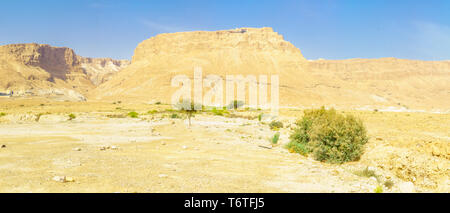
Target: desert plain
x: 102, y: 149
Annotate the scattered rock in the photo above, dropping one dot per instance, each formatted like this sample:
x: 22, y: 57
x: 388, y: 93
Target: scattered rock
x: 58, y: 178
x: 76, y: 149
x: 163, y: 176
x: 3, y: 146
x: 406, y: 187
x: 379, y: 139
x: 163, y: 143
x: 104, y: 148
x: 184, y: 147
x: 63, y: 179
x: 114, y: 147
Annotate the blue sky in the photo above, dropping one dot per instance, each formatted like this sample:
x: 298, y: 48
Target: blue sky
x: 330, y: 29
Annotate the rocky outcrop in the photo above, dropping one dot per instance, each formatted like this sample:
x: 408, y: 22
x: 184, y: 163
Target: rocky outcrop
x: 100, y: 70
x: 43, y: 70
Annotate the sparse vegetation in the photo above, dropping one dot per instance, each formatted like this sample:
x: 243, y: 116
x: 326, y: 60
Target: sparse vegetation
x: 260, y: 117
x: 236, y: 104
x: 329, y: 136
x: 188, y: 107
x: 388, y: 184
x: 219, y: 112
x: 275, y: 138
x: 366, y: 173
x: 379, y: 189
x: 276, y: 125
x: 158, y: 103
x: 72, y: 116
x: 175, y: 116
x: 2, y: 114
x: 152, y: 112
x: 133, y: 114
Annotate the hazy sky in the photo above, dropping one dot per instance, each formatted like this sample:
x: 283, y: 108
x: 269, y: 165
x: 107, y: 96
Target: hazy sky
x: 330, y: 29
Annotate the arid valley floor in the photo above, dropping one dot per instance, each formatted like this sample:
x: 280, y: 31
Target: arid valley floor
x: 104, y: 150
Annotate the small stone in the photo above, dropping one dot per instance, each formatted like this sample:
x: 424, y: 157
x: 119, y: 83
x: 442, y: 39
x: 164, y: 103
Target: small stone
x: 104, y: 148
x: 69, y: 179
x: 406, y: 187
x: 3, y: 146
x: 379, y: 139
x: 163, y: 143
x: 59, y: 178
x: 184, y: 147
x: 76, y: 149
x: 162, y: 175
x: 114, y: 147
x: 374, y: 179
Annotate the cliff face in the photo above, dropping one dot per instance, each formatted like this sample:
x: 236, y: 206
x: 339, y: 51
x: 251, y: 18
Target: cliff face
x: 356, y: 83
x: 245, y: 40
x: 100, y: 70
x: 43, y: 70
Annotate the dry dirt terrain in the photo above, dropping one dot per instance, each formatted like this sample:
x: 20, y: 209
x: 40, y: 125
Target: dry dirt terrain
x: 101, y: 149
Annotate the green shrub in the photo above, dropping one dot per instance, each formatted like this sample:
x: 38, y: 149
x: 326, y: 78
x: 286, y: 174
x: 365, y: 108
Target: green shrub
x: 219, y: 112
x: 152, y: 112
x: 175, y: 115
x: 2, y: 114
x: 379, y: 189
x: 366, y: 173
x: 236, y: 104
x: 275, y: 125
x: 329, y: 136
x: 275, y: 138
x: 260, y: 117
x: 158, y: 103
x: 133, y: 114
x: 72, y: 116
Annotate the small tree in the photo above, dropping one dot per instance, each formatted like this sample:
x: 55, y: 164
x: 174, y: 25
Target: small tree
x: 188, y: 107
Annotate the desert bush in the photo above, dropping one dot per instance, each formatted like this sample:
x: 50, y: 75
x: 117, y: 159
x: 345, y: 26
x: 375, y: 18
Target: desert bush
x: 152, y: 112
x: 175, y: 115
x: 236, y: 104
x: 133, y: 114
x: 366, y: 173
x: 276, y: 125
x: 158, y: 103
x: 379, y: 189
x: 2, y: 114
x: 219, y: 112
x: 275, y: 138
x: 72, y: 116
x: 329, y: 136
x: 260, y: 117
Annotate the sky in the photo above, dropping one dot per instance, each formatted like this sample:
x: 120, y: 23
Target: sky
x: 329, y: 29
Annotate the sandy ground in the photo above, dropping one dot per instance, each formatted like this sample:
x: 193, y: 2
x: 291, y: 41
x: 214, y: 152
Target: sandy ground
x: 156, y: 153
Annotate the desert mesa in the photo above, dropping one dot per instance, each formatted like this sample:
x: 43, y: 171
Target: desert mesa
x: 37, y: 70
